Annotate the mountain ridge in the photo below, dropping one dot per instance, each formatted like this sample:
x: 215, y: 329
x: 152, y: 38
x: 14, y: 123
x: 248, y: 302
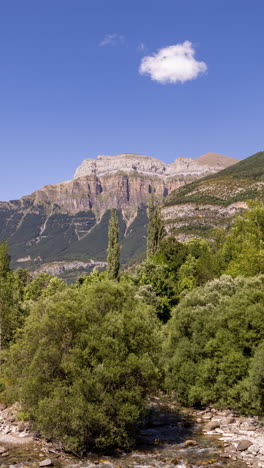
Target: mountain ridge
x: 69, y: 221
x: 214, y: 200
x: 147, y: 165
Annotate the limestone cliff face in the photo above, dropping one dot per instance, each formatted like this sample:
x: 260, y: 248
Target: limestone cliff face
x: 123, y: 182
x: 120, y: 191
x: 148, y: 166
x: 69, y: 221
x: 189, y: 220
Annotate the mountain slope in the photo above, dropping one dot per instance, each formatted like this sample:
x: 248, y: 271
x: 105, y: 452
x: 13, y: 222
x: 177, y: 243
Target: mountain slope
x: 214, y: 200
x: 68, y: 222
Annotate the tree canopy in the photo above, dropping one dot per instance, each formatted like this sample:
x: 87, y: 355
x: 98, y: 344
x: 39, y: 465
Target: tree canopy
x: 86, y: 360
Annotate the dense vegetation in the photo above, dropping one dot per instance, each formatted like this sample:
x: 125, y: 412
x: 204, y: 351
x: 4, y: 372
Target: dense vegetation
x: 212, y: 339
x: 189, y: 319
x: 85, y: 362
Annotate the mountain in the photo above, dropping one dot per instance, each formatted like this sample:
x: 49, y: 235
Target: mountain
x: 216, y: 160
x: 67, y: 223
x: 214, y: 200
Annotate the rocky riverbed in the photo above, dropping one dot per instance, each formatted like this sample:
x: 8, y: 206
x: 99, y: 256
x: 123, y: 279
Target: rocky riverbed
x: 169, y: 438
x: 243, y: 438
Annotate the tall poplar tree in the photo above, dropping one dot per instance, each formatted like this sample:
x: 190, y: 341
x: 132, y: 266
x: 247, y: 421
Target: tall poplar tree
x: 156, y: 229
x: 113, y: 251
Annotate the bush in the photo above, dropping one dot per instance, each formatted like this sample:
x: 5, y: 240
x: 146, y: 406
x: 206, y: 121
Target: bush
x: 85, y: 363
x: 212, y: 338
x: 256, y: 381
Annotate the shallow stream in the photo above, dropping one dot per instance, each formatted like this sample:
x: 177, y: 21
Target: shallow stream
x: 169, y: 439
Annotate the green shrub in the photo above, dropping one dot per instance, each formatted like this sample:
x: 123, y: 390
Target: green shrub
x: 211, y: 340
x: 85, y: 363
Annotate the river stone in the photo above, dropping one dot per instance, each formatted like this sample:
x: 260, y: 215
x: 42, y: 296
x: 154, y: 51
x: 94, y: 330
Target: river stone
x: 251, y: 427
x: 229, y: 420
x: 244, y: 445
x: 190, y: 443
x: 47, y: 462
x: 212, y: 425
x: 3, y: 450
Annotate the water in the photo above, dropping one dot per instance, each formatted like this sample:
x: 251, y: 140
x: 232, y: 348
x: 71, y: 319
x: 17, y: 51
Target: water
x: 161, y: 444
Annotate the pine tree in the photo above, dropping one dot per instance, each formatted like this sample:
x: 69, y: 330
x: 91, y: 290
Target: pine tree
x: 156, y: 229
x: 113, y: 251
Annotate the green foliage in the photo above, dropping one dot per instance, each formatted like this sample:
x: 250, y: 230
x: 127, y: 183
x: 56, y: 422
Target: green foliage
x: 243, y: 250
x: 113, y: 251
x: 11, y: 310
x: 171, y: 253
x: 44, y: 285
x: 86, y: 361
x: 157, y: 288
x: 256, y: 378
x: 4, y: 259
x: 174, y: 268
x: 94, y: 277
x: 155, y: 228
x: 212, y: 337
x: 199, y: 266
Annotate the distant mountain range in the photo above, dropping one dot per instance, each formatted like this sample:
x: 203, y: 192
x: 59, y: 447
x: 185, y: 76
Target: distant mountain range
x: 214, y: 200
x: 68, y: 222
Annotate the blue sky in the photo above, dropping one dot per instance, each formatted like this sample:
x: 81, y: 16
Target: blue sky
x: 70, y: 85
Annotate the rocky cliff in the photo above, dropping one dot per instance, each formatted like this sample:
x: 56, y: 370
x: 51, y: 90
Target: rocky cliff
x: 151, y: 167
x: 68, y: 221
x: 213, y: 201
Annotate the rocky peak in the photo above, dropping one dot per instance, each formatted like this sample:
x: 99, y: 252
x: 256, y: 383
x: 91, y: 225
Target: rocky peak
x: 216, y: 160
x: 146, y: 165
x: 69, y: 221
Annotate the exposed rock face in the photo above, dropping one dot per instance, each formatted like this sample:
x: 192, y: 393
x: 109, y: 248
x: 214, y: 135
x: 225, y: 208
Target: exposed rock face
x: 123, y: 182
x: 114, y: 190
x: 69, y: 221
x: 183, y: 220
x: 213, y: 201
x: 149, y: 166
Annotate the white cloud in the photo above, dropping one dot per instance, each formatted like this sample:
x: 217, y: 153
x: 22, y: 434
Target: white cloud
x: 112, y: 39
x: 173, y: 64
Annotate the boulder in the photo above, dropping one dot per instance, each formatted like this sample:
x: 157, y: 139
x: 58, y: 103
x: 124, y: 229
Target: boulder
x: 244, y: 445
x: 190, y: 443
x: 251, y: 427
x: 211, y: 426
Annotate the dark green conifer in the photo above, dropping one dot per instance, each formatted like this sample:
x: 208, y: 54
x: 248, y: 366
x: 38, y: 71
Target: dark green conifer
x: 113, y: 251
